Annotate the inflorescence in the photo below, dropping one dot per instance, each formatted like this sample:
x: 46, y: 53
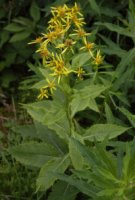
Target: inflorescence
x: 65, y: 31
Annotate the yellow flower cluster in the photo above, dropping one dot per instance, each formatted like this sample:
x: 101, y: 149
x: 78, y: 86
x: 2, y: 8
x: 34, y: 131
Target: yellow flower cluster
x: 65, y: 30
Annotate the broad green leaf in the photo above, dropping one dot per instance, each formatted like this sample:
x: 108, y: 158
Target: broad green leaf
x: 80, y: 59
x: 34, y: 153
x: 14, y: 27
x: 86, y: 98
x: 35, y: 11
x: 76, y: 157
x: 129, y: 115
x: 101, y: 131
x: 63, y: 191
x: 52, y: 114
x: 46, y: 176
x: 20, y: 36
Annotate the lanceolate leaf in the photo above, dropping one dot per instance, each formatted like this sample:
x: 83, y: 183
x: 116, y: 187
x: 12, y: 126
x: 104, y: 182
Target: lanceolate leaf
x: 34, y: 153
x: 117, y: 29
x: 46, y: 176
x: 129, y: 115
x: 76, y: 157
x: 83, y: 186
x: 101, y: 131
x: 20, y: 36
x: 35, y: 11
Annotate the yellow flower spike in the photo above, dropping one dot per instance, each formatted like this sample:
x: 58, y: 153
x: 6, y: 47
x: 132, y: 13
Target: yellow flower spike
x: 38, y: 40
x: 98, y: 60
x: 43, y: 93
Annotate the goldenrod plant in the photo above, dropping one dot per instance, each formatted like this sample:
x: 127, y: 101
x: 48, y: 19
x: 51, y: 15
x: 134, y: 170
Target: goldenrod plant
x: 80, y: 117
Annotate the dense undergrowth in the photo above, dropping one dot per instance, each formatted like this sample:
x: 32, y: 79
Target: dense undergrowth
x: 77, y: 140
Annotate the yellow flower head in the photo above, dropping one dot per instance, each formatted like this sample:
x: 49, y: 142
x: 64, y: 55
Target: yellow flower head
x: 60, y: 11
x: 43, y: 93
x: 51, y: 85
x: 80, y: 73
x: 98, y: 60
x: 68, y: 44
x: 80, y: 33
x: 78, y: 21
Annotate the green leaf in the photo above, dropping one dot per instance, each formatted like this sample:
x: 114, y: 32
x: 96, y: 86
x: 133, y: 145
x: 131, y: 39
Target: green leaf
x: 14, y: 27
x: 35, y: 11
x: 52, y: 114
x: 129, y: 115
x: 20, y: 36
x: 101, y: 131
x: 95, y: 7
x: 81, y: 185
x: 76, y: 157
x: 80, y: 59
x: 117, y: 29
x: 4, y: 36
x: 34, y: 153
x: 40, y: 84
x: 46, y: 177
x: 109, y: 114
x: 63, y: 191
x: 85, y: 97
